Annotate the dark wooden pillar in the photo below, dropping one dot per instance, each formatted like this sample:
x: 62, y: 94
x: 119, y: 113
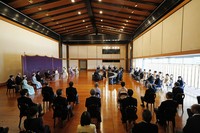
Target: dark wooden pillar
x: 60, y: 47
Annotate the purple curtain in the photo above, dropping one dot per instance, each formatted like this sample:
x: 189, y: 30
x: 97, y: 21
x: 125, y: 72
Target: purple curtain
x: 31, y: 64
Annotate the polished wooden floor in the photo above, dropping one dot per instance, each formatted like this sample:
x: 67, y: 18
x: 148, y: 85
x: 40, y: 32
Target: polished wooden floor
x: 111, y: 117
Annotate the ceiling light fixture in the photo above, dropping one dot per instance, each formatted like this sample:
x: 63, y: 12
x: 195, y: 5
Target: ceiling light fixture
x: 132, y: 12
x: 79, y: 13
x: 72, y: 1
x: 129, y: 17
x: 135, y: 5
x: 83, y: 20
x: 126, y: 21
x: 100, y: 12
x: 99, y: 0
x: 47, y: 14
x: 39, y: 8
x: 101, y: 20
x: 86, y: 26
x: 30, y: 1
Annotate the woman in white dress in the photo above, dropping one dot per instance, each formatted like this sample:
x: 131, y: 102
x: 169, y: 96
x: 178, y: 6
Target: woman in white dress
x: 76, y: 70
x: 25, y: 85
x: 34, y: 81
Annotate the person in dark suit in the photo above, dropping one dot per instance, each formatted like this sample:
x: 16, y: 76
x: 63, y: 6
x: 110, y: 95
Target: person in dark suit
x: 148, y: 92
x: 128, y: 102
x: 47, y: 90
x: 93, y: 105
x: 11, y: 84
x: 181, y: 82
x: 39, y: 78
x: 176, y: 90
x: 62, y: 104
x: 28, y: 101
x: 168, y: 108
x: 34, y: 123
x: 145, y: 126
x: 192, y: 124
x: 18, y: 79
x: 71, y: 93
x: 157, y: 82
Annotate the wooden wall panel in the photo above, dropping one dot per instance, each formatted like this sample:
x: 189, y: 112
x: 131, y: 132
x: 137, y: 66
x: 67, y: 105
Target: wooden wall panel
x: 73, y: 51
x: 172, y: 33
x: 156, y: 40
x: 99, y: 52
x: 73, y: 63
x: 191, y: 29
x: 140, y: 46
x: 82, y: 51
x: 92, y: 64
x: 92, y: 51
x: 146, y: 46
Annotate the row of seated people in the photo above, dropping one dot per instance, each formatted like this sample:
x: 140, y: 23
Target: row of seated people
x: 125, y: 100
x: 73, y: 71
x: 157, y: 80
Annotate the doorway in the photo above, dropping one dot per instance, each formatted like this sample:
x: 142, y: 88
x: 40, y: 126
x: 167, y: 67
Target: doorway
x: 83, y: 64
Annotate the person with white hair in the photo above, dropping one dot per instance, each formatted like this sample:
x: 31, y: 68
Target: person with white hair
x: 97, y: 89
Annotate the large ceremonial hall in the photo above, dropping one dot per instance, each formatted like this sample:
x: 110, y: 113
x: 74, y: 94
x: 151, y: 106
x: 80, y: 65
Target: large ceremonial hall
x: 119, y: 40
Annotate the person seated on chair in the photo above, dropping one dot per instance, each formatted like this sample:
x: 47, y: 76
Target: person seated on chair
x: 85, y: 125
x: 76, y: 70
x: 39, y: 78
x: 97, y: 90
x: 62, y: 103
x: 167, y: 105
x: 25, y: 85
x: 48, y: 90
x: 48, y: 75
x: 157, y: 82
x: 34, y: 81
x: 128, y: 102
x: 167, y: 80
x: 192, y: 124
x: 122, y: 93
x: 18, y: 79
x: 176, y: 90
x: 145, y: 126
x: 93, y: 105
x: 147, y: 94
x: 71, y: 93
x: 28, y: 101
x: 181, y: 82
x: 34, y: 123
x: 11, y: 84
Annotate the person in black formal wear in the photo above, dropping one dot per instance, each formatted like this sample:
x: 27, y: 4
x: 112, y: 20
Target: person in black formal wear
x: 48, y: 91
x: 147, y: 94
x: 11, y: 84
x: 181, y: 82
x: 34, y: 123
x: 71, y: 93
x: 176, y: 90
x: 39, y: 78
x: 63, y: 105
x: 93, y: 105
x: 167, y: 108
x: 192, y: 124
x: 157, y: 82
x: 28, y: 101
x: 128, y: 102
x: 18, y: 79
x: 145, y: 126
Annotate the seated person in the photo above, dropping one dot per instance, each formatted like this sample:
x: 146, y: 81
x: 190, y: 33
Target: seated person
x: 128, y: 102
x: 61, y: 105
x: 85, y: 125
x: 122, y: 93
x: 18, y: 79
x: 34, y: 81
x: 48, y: 75
x: 76, y: 70
x: 157, y: 82
x: 39, y: 78
x: 181, y: 82
x: 34, y: 123
x: 64, y: 72
x: 97, y: 90
x: 147, y: 94
x: 167, y: 80
x: 192, y: 124
x: 150, y: 79
x: 4, y: 129
x: 25, y: 85
x: 28, y: 101
x: 11, y: 84
x: 166, y: 110
x: 176, y: 90
x: 145, y: 126
x: 93, y: 105
x: 71, y: 94
x: 48, y: 91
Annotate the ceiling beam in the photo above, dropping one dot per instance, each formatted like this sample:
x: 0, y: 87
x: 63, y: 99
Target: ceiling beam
x: 91, y: 15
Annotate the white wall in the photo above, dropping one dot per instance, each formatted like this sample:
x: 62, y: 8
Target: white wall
x: 93, y: 55
x: 16, y: 41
